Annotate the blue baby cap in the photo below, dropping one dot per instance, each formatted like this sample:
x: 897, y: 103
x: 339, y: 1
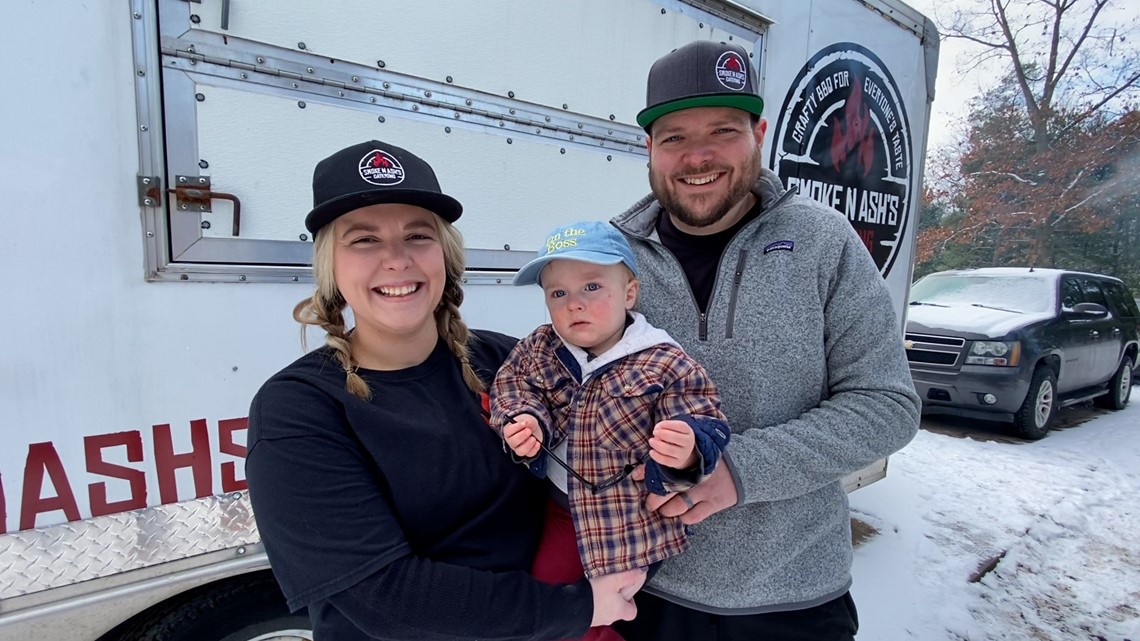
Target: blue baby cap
x: 589, y: 241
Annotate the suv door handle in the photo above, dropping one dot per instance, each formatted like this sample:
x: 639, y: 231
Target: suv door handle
x: 1094, y: 333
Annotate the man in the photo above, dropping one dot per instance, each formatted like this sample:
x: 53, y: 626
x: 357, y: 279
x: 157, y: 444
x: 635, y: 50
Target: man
x: 787, y: 311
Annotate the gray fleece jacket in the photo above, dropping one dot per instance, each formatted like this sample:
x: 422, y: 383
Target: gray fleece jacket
x: 802, y: 338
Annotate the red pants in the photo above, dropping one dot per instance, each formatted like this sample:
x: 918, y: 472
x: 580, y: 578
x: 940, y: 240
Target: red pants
x: 557, y: 560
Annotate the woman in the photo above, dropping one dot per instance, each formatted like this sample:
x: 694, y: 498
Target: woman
x: 385, y: 504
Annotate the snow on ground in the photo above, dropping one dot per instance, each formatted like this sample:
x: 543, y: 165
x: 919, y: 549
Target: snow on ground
x: 1060, y: 518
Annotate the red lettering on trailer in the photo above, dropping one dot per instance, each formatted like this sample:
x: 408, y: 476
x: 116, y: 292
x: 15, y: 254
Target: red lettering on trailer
x: 166, y: 462
x: 93, y: 447
x: 226, y: 445
x: 42, y: 458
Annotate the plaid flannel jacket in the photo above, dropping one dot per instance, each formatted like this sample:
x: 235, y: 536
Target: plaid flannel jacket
x: 608, y: 420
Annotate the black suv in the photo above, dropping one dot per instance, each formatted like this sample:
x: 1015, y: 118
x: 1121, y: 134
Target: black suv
x: 1015, y: 344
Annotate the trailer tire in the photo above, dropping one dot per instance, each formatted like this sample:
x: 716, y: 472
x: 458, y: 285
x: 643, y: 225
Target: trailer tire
x: 245, y: 608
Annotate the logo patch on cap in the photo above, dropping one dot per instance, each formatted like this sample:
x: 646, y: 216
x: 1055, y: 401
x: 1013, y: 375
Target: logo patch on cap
x: 732, y: 71
x: 381, y: 168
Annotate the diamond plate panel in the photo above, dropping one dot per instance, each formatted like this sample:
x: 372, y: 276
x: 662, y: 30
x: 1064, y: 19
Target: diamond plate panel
x: 59, y: 555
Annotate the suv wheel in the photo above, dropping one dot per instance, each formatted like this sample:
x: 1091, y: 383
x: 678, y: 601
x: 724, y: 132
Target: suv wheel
x: 1119, y: 387
x: 1032, y: 420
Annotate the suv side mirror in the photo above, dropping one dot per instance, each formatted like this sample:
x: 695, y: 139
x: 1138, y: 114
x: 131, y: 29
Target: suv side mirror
x: 1088, y: 310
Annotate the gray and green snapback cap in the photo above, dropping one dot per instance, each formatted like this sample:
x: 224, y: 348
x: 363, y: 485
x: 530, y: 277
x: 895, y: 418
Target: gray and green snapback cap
x: 701, y: 74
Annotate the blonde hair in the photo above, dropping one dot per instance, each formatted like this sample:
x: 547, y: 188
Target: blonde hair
x: 325, y: 308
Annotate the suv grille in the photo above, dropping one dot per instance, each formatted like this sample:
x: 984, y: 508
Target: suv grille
x: 934, y: 351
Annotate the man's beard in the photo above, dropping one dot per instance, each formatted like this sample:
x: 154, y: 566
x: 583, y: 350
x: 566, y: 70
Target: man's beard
x: 716, y: 211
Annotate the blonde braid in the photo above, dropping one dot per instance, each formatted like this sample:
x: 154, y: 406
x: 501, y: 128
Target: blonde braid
x: 325, y: 309
x: 448, y: 321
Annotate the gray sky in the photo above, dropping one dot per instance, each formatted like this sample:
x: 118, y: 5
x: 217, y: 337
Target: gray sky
x: 954, y: 88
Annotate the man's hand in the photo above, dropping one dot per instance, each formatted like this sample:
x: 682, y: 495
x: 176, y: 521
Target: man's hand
x: 523, y: 435
x: 673, y: 444
x: 715, y: 493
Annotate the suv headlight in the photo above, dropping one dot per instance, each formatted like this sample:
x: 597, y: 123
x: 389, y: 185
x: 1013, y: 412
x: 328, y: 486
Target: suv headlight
x: 996, y: 353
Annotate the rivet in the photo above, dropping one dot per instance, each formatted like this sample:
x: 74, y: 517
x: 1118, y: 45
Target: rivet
x: 509, y: 141
x: 447, y: 130
x: 137, y: 15
x: 295, y: 279
x: 730, y: 37
x: 260, y: 60
x: 663, y: 12
x: 498, y: 281
x: 506, y: 247
x: 294, y: 84
x: 415, y: 107
x: 580, y: 125
x: 381, y: 119
x: 201, y: 208
x: 182, y: 179
x: 193, y: 62
x: 356, y: 78
x: 146, y: 181
x: 241, y: 550
x: 538, y: 131
x: 610, y: 131
x: 203, y: 164
x: 548, y: 119
x: 380, y: 63
x: 301, y: 104
x: 201, y: 181
x: 387, y: 85
x: 456, y: 114
x: 565, y: 106
x: 309, y: 69
x: 502, y: 124
x: 700, y: 25
x: 512, y: 112
x: 612, y: 117
x: 200, y: 97
x: 749, y: 54
x: 185, y: 277
x: 242, y: 277
x: 148, y: 202
x: 150, y: 234
x: 448, y: 78
x: 195, y: 18
x: 141, y: 73
x: 609, y: 158
x: 562, y: 150
x: 372, y: 99
x: 205, y: 224
x: 467, y: 102
x: 340, y: 93
x: 510, y: 94
x: 184, y: 207
x: 244, y: 76
x: 639, y: 139
x: 427, y: 94
x: 571, y: 137
x: 464, y: 281
x: 303, y: 237
x: 190, y: 48
x: 300, y: 45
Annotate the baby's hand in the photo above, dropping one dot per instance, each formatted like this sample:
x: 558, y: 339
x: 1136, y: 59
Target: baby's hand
x: 523, y: 435
x: 673, y: 445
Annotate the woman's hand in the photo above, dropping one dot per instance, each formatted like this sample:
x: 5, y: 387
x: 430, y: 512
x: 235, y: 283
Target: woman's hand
x: 613, y: 596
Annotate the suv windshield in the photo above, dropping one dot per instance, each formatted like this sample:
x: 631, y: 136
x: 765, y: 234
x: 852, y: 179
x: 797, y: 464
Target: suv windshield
x: 1012, y: 293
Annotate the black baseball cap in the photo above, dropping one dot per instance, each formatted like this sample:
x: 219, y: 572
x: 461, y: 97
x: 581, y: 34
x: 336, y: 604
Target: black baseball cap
x: 373, y: 173
x: 701, y: 74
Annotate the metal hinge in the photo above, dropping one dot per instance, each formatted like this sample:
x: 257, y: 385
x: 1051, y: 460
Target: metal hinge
x: 149, y: 193
x: 735, y: 13
x: 423, y: 97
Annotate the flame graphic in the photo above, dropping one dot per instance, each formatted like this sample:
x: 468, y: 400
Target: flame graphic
x: 853, y: 134
x: 733, y: 63
x: 379, y: 161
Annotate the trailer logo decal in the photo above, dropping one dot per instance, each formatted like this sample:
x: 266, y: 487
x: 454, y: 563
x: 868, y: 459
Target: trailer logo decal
x: 843, y: 138
x: 381, y: 168
x: 730, y: 71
